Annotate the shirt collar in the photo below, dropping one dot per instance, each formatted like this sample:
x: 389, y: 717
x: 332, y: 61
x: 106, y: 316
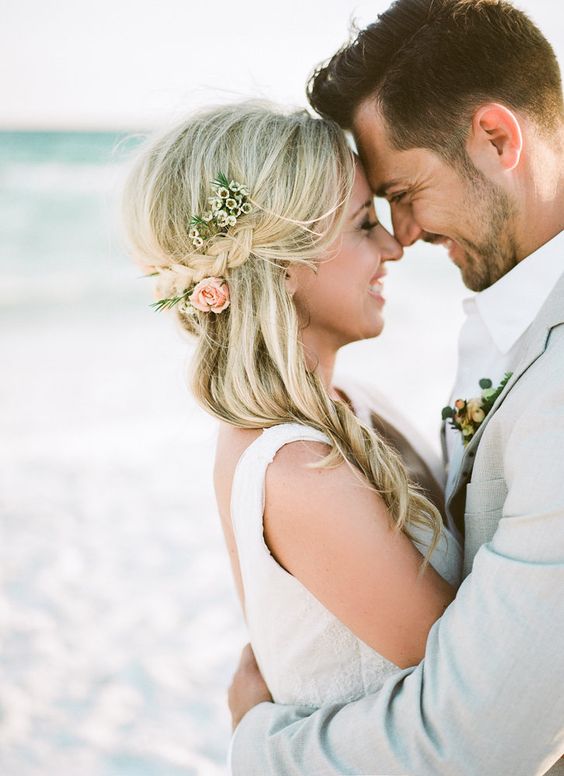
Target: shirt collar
x: 509, y: 306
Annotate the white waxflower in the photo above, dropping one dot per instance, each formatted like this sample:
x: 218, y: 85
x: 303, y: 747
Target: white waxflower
x: 185, y: 306
x: 207, y: 216
x: 231, y: 220
x: 236, y: 212
x: 197, y: 242
x: 221, y: 217
x: 230, y: 203
x: 222, y: 192
x: 193, y: 233
x: 215, y: 203
x: 244, y: 191
x: 234, y: 186
x: 246, y: 208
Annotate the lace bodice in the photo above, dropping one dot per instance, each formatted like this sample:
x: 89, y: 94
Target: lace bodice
x: 306, y: 655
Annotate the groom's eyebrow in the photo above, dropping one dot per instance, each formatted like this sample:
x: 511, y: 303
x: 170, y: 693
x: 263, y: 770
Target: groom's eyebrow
x: 383, y: 189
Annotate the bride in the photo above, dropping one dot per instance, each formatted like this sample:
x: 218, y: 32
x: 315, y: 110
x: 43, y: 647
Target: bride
x: 260, y: 229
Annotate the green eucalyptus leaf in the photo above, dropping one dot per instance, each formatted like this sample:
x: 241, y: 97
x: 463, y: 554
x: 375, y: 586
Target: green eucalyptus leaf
x: 167, y: 304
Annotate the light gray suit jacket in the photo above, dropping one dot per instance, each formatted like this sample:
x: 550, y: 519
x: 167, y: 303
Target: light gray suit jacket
x: 488, y: 699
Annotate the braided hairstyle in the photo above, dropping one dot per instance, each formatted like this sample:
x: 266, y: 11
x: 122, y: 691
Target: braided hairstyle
x: 249, y: 368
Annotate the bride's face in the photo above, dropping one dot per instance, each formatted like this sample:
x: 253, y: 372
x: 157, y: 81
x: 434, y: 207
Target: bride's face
x: 343, y: 301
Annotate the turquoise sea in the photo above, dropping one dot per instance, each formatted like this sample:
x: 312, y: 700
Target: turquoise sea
x: 58, y: 213
x: 120, y: 625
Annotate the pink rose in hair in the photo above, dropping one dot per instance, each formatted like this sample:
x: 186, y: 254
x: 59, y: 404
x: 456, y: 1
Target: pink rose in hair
x: 210, y: 294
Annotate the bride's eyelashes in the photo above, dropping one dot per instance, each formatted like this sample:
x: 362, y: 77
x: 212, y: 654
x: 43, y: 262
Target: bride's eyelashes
x: 368, y: 225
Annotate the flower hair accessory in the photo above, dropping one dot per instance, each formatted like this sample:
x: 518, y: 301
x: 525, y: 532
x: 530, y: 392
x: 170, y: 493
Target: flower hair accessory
x: 467, y: 415
x: 229, y: 201
x: 210, y: 295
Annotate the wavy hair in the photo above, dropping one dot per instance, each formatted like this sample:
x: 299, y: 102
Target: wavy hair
x: 427, y: 65
x: 249, y: 367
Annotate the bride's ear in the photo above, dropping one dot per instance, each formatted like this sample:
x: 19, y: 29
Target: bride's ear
x: 291, y: 279
x: 495, y: 143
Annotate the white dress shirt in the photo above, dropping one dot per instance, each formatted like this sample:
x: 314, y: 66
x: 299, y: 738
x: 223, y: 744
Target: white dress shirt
x: 491, y: 336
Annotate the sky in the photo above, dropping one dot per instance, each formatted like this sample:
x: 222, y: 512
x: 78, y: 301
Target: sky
x: 131, y: 64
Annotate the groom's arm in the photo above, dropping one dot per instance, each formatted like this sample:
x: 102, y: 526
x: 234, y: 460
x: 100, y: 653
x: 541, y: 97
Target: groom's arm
x: 488, y: 697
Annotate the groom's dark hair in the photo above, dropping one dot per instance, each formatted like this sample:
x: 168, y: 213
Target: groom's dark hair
x: 428, y: 64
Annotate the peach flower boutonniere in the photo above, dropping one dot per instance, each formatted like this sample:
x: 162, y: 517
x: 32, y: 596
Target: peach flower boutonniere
x: 467, y: 415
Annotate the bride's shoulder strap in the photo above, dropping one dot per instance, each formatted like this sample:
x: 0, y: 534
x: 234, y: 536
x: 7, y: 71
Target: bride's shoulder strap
x: 247, y: 493
x: 272, y: 439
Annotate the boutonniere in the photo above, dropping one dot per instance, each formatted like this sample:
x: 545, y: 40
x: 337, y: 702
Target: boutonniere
x: 467, y: 415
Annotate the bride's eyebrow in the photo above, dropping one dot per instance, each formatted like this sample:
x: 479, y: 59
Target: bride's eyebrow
x: 362, y: 207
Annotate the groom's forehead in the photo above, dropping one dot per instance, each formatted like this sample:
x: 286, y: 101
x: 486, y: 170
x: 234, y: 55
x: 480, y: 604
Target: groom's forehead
x: 370, y: 133
x: 379, y: 157
x: 387, y: 167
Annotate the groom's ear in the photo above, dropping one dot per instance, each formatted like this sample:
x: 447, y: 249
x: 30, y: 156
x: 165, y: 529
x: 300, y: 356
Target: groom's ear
x: 495, y: 143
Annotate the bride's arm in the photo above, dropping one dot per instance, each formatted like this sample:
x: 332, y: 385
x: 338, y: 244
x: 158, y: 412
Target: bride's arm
x: 336, y: 536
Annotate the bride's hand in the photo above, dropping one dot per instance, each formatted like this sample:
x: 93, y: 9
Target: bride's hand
x: 248, y: 688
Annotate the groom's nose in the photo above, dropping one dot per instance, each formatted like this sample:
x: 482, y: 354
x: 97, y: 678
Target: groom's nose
x: 406, y: 229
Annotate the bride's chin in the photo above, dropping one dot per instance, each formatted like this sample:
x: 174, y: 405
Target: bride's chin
x: 377, y: 328
x: 371, y: 332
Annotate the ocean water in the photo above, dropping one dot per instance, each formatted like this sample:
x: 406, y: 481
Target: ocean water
x: 120, y: 627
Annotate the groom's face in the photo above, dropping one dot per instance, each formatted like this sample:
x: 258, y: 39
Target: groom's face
x: 434, y: 201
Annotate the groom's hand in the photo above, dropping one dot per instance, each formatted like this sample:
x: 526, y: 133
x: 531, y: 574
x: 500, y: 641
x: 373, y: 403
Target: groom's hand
x: 247, y: 688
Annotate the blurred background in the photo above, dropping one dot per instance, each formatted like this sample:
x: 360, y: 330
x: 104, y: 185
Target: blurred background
x: 119, y: 625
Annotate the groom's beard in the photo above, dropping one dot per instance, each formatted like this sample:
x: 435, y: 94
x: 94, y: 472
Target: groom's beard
x: 494, y: 254
x: 487, y: 261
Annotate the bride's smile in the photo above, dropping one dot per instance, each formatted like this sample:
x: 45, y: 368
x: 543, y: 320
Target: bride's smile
x: 341, y: 300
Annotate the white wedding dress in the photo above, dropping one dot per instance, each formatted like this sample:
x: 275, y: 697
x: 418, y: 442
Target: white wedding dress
x: 306, y: 655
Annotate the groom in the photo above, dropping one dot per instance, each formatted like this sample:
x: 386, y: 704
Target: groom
x: 458, y: 115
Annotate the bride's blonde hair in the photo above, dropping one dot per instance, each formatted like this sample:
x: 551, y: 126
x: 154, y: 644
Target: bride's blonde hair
x: 249, y: 368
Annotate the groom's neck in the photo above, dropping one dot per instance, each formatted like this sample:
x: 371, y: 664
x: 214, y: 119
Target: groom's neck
x: 542, y: 214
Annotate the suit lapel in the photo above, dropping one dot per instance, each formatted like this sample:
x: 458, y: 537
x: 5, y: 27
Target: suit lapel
x: 444, y: 449
x: 534, y: 345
